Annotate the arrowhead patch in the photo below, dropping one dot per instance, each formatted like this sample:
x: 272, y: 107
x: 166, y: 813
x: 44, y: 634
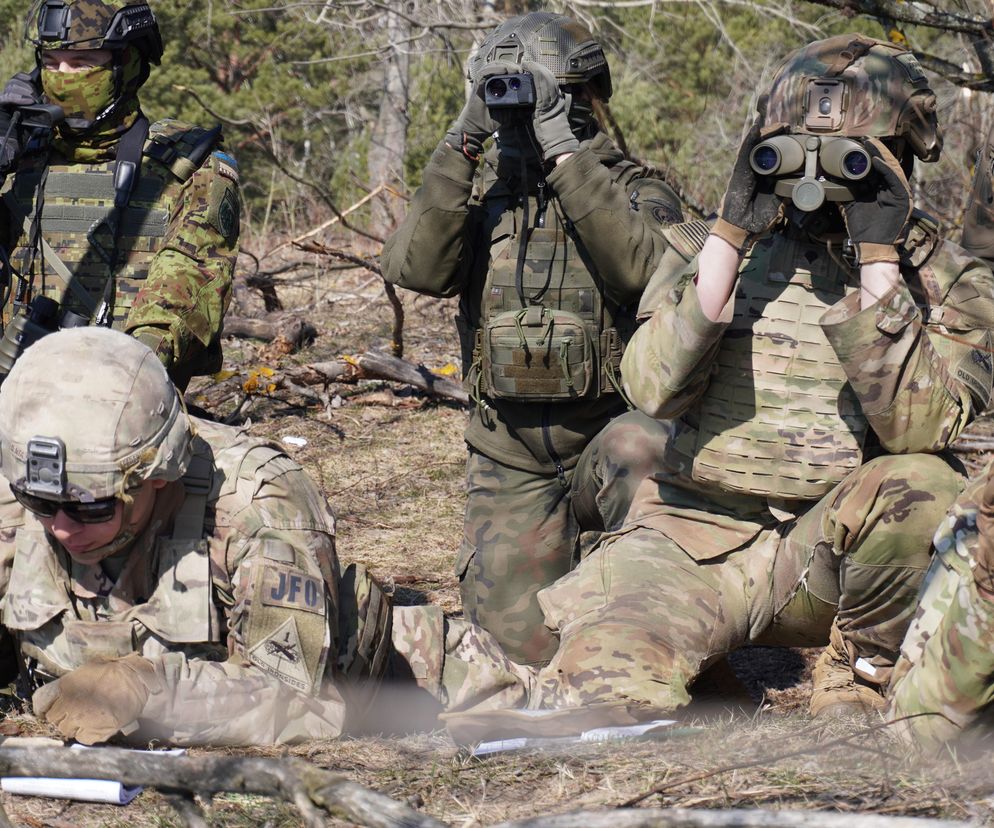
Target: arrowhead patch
x: 281, y: 655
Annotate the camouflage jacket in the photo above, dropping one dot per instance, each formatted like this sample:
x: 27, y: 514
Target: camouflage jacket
x: 231, y: 592
x: 794, y: 385
x: 945, y: 675
x: 175, y: 249
x: 615, y: 209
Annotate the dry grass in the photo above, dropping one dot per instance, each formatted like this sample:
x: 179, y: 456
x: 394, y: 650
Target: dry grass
x: 394, y: 475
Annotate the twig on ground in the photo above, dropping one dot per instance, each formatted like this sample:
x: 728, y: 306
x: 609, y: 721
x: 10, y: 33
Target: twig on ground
x: 289, y: 780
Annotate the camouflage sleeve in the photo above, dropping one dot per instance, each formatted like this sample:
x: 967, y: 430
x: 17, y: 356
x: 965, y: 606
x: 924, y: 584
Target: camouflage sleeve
x: 276, y: 536
x: 667, y: 364
x: 945, y: 675
x: 229, y: 703
x: 180, y: 308
x: 919, y: 382
x: 619, y: 223
x: 432, y: 251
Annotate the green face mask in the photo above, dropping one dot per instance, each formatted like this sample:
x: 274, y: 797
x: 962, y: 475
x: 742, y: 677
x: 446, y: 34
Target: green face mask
x: 83, y: 95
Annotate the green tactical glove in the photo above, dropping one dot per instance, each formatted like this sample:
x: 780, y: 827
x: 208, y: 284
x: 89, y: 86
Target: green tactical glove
x: 983, y: 554
x: 877, y: 218
x: 749, y: 207
x: 474, y: 124
x: 161, y: 342
x: 550, y: 120
x: 99, y: 699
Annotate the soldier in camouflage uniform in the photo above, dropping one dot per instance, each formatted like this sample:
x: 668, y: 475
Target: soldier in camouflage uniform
x: 944, y: 675
x: 548, y: 239
x: 168, y: 578
x: 815, y: 361
x: 122, y: 222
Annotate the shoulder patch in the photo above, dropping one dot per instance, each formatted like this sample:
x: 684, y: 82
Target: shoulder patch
x: 281, y: 655
x: 224, y: 208
x: 976, y: 372
x: 287, y: 586
x: 226, y: 165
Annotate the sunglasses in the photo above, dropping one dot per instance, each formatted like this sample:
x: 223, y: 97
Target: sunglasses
x: 98, y: 511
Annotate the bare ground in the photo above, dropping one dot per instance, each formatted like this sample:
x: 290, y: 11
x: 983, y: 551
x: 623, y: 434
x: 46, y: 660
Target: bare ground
x: 390, y: 462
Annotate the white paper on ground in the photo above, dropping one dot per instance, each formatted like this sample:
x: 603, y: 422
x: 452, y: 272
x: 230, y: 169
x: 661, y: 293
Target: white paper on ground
x: 597, y: 734
x: 83, y: 790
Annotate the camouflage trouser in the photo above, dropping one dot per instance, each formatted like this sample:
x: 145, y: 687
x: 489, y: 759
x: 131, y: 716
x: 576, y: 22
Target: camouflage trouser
x: 521, y: 528
x: 639, y: 619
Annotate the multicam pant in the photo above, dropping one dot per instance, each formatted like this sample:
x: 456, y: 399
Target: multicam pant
x: 521, y: 529
x: 639, y: 619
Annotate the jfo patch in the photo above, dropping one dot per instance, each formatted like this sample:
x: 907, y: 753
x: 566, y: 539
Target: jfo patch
x: 285, y: 586
x: 281, y: 655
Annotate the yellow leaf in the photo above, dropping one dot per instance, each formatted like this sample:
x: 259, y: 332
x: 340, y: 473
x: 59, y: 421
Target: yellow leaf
x: 266, y: 371
x: 448, y: 370
x: 221, y: 376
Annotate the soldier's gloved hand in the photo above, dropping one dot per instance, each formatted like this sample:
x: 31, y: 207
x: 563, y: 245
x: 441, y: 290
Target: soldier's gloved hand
x: 99, y: 699
x: 749, y: 206
x: 550, y: 120
x: 877, y: 218
x: 474, y: 124
x: 20, y: 90
x: 161, y: 342
x: 983, y: 554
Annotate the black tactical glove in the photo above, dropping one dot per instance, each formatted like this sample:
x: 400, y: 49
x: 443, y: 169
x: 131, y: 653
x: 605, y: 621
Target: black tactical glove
x: 749, y: 206
x: 550, y: 120
x: 475, y: 124
x: 19, y: 91
x: 876, y: 219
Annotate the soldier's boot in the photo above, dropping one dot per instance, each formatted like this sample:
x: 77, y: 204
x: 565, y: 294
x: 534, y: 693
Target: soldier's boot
x: 838, y: 690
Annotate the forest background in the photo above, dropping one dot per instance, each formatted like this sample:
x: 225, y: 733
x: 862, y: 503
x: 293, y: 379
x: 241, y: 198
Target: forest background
x: 324, y: 100
x: 332, y: 109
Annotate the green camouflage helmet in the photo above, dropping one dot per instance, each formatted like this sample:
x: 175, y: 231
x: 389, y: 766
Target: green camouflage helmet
x: 854, y: 86
x: 556, y: 41
x: 94, y: 24
x: 90, y: 413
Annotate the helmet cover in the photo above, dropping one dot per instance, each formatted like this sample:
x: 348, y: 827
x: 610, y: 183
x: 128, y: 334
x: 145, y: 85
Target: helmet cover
x: 855, y: 86
x: 107, y: 398
x: 558, y: 42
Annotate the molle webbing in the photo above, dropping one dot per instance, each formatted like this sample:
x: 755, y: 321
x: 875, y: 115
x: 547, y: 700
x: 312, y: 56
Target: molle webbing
x: 779, y: 417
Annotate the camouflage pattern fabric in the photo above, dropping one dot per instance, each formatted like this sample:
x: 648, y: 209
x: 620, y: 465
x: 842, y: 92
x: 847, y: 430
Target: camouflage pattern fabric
x: 175, y: 252
x: 521, y: 529
x: 943, y: 677
x: 240, y: 622
x: 519, y: 535
x: 978, y: 218
x: 917, y: 365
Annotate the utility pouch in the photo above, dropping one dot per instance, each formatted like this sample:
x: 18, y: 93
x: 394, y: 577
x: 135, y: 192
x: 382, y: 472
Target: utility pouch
x: 538, y: 354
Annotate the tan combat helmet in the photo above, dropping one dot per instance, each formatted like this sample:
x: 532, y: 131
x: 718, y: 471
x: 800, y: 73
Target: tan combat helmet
x: 88, y: 414
x: 558, y: 42
x: 94, y: 24
x: 854, y: 86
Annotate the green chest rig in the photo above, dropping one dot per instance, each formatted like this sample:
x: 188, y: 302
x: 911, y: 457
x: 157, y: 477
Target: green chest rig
x: 84, y: 245
x: 547, y: 332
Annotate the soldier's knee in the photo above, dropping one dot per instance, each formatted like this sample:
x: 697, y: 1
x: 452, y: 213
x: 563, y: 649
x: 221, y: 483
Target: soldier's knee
x: 635, y: 443
x: 609, y: 662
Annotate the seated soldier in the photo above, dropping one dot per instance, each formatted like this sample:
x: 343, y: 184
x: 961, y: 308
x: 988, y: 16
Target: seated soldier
x: 174, y: 579
x: 817, y: 359
x: 944, y: 679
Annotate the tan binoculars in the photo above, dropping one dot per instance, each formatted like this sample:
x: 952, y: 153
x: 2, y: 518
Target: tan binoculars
x: 814, y: 158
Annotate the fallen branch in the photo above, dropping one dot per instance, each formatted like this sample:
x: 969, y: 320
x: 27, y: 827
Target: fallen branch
x: 373, y: 365
x: 397, y: 345
x: 310, y: 788
x: 730, y: 818
x: 296, y: 331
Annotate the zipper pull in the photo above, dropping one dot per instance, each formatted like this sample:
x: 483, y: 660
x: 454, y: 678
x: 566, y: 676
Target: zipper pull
x: 561, y: 476
x: 542, y: 204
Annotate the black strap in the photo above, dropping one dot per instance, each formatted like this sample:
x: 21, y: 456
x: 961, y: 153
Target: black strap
x: 127, y: 171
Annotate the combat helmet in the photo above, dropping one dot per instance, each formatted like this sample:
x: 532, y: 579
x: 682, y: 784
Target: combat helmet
x: 88, y: 414
x: 94, y: 24
x: 556, y: 41
x: 855, y: 86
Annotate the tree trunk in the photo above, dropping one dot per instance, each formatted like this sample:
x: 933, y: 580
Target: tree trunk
x: 388, y: 143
